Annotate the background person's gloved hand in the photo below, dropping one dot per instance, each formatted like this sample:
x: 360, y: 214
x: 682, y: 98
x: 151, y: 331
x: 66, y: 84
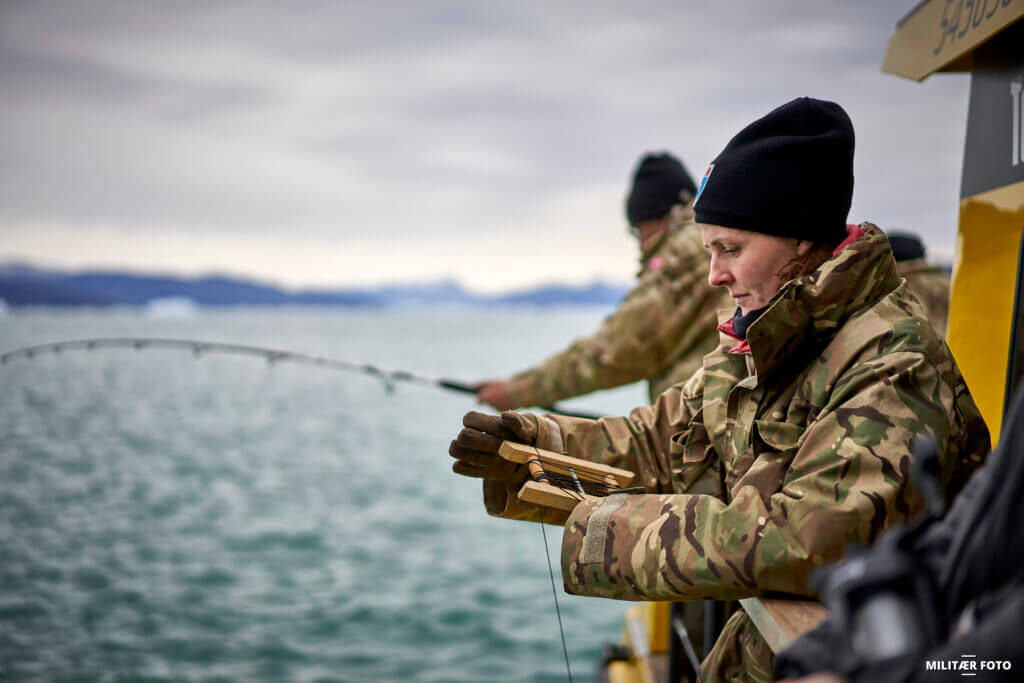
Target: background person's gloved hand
x: 476, y: 446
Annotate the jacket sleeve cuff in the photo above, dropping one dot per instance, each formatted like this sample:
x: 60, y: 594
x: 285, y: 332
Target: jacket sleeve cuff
x: 501, y: 500
x: 520, y: 393
x: 650, y: 547
x: 549, y: 435
x: 595, y: 534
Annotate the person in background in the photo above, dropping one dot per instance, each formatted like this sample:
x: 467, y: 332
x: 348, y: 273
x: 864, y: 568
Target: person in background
x: 663, y: 327
x: 795, y: 438
x: 929, y: 282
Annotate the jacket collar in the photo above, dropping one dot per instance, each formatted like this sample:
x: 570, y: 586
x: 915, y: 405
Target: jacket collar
x: 812, y: 308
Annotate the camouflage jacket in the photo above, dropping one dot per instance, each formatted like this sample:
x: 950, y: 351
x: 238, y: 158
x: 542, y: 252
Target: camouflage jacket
x: 770, y: 462
x: 659, y: 332
x: 930, y: 284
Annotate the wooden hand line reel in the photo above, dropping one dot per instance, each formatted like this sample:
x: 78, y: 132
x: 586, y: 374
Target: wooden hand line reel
x: 559, y: 481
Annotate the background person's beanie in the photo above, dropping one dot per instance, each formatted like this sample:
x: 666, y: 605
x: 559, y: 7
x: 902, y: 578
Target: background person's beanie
x: 789, y: 174
x: 905, y: 246
x: 657, y: 183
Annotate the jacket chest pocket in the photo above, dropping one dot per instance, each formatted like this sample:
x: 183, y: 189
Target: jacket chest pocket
x: 776, y: 437
x: 773, y: 446
x: 691, y: 456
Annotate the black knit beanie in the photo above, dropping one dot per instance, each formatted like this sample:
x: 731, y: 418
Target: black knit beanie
x: 657, y: 183
x: 789, y: 173
x: 905, y: 246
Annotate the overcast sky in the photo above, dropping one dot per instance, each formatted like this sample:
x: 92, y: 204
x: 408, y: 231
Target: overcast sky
x: 352, y: 143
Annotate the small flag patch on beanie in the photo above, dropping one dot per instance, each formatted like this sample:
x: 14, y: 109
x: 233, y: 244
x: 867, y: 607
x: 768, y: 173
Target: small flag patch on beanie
x: 703, y: 182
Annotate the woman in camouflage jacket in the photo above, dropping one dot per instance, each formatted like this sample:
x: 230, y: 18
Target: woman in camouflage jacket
x: 794, y: 439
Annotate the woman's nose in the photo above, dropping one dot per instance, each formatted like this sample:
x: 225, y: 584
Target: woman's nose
x: 717, y: 276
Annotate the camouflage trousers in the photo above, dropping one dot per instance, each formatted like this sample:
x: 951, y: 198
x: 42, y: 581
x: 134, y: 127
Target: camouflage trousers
x: 739, y: 654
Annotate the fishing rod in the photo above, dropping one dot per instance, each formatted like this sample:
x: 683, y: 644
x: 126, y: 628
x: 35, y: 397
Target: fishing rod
x: 272, y: 356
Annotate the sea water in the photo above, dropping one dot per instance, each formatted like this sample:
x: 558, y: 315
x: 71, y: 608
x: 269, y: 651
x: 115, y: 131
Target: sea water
x: 167, y: 517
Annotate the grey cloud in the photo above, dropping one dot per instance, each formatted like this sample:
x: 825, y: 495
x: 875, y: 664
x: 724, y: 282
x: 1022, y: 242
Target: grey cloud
x: 58, y: 81
x: 432, y: 121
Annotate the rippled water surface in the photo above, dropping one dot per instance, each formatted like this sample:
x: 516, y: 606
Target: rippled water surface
x: 218, y: 519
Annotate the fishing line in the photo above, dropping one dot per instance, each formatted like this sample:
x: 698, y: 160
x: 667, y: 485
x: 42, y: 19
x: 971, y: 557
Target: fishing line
x: 554, y: 591
x: 272, y: 356
x: 577, y: 486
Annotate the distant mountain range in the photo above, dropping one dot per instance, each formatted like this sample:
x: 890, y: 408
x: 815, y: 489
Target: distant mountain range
x: 26, y: 285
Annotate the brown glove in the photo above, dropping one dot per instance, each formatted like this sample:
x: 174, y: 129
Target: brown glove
x: 476, y: 447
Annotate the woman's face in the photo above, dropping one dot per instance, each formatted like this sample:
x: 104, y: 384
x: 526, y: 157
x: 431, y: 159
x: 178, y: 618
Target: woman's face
x: 748, y: 263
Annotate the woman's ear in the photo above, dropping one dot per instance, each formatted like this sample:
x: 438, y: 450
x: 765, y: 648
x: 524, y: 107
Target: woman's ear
x: 803, y: 247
